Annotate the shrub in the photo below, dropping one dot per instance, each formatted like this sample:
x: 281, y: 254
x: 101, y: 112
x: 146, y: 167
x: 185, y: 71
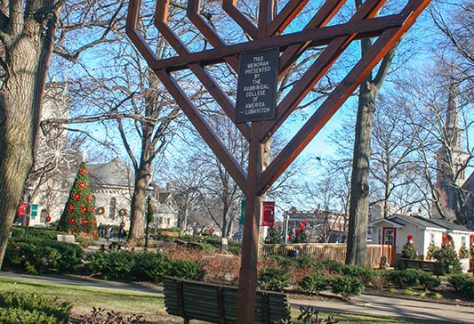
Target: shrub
x: 347, y: 286
x: 150, y: 266
x: 273, y: 279
x: 464, y: 252
x: 235, y: 249
x: 463, y: 284
x: 447, y: 256
x: 403, y: 278
x: 334, y: 266
x: 186, y: 269
x: 366, y: 275
x: 427, y: 280
x: 18, y: 315
x: 313, y: 284
x: 274, y: 236
x: 413, y: 277
x: 40, y: 233
x: 306, y: 261
x: 409, y: 251
x: 38, y: 256
x: 458, y: 281
x: 142, y: 266
x: 281, y: 261
x: 22, y: 308
x: 432, y: 249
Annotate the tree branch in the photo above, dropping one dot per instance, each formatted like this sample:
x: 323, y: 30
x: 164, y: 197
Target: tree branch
x: 16, y: 21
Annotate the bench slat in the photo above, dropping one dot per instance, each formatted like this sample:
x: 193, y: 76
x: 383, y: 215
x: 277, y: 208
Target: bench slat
x: 218, y: 304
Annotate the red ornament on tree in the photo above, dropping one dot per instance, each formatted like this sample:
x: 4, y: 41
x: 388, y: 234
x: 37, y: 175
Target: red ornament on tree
x: 410, y: 237
x: 79, y: 207
x: 81, y: 185
x: 76, y: 196
x: 70, y: 208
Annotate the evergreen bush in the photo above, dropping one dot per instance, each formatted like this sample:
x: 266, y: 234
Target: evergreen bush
x: 32, y: 309
x: 37, y: 256
x: 366, y: 275
x: 427, y: 280
x: 334, y: 266
x: 186, y: 269
x: 458, y: 281
x: 403, y: 278
x: 313, y: 284
x: 274, y: 236
x: 150, y: 266
x: 409, y: 251
x: 448, y: 256
x: 463, y: 284
x: 347, y: 286
x: 273, y: 279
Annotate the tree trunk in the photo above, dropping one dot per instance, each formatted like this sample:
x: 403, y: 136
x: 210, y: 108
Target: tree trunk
x: 359, y: 203
x: 184, y: 222
x: 388, y: 182
x: 28, y: 46
x: 137, y: 217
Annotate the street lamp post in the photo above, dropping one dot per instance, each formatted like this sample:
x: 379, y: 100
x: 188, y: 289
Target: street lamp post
x: 28, y: 192
x: 148, y: 213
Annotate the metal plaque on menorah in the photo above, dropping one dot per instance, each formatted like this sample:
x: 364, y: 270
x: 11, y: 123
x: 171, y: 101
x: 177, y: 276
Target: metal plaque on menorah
x: 259, y: 63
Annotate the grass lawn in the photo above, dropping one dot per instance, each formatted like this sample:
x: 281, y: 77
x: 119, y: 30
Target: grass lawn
x: 148, y: 305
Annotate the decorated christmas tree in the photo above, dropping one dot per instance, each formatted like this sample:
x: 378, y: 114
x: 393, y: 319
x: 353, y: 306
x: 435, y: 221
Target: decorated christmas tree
x: 78, y: 216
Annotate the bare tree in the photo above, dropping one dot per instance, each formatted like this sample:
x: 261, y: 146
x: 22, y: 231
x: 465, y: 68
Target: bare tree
x: 442, y: 121
x: 27, y: 40
x: 359, y: 203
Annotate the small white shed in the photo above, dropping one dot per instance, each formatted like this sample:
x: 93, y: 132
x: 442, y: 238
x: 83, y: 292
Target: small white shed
x: 394, y: 230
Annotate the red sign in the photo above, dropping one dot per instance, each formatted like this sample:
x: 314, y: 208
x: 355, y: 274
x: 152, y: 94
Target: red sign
x: 21, y: 211
x: 268, y: 218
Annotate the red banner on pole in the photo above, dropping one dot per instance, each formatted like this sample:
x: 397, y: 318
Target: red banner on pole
x: 268, y: 218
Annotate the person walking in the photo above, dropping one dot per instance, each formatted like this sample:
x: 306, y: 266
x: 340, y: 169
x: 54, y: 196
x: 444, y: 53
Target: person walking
x: 121, y: 231
x: 111, y: 232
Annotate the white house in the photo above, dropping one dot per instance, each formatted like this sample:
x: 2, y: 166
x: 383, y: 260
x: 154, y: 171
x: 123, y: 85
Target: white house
x: 395, y: 229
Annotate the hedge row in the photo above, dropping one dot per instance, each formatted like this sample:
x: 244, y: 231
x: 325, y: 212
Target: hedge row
x: 145, y: 266
x: 37, y: 256
x: 411, y: 278
x: 32, y: 309
x: 276, y: 279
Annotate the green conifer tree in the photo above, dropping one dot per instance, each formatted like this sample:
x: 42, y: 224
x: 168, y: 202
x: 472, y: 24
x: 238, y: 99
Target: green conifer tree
x: 78, y: 217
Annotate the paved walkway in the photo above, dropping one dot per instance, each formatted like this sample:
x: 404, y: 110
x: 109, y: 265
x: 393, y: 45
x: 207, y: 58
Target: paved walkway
x: 364, y: 304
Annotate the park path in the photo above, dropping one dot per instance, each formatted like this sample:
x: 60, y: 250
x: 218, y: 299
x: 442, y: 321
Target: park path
x: 364, y: 304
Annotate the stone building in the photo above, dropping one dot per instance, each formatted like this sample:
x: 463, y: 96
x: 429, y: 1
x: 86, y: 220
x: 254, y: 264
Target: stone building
x: 56, y: 164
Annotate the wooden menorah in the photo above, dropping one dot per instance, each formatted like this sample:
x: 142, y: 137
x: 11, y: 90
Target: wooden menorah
x: 267, y: 35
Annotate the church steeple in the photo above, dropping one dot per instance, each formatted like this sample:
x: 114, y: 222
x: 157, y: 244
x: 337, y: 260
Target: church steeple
x: 453, y: 130
x: 451, y: 157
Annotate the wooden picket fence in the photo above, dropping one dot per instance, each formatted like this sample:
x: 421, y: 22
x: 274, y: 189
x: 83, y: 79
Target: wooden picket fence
x: 330, y: 251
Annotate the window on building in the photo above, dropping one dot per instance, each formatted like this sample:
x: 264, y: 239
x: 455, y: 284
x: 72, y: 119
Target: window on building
x: 93, y: 200
x: 463, y: 241
x: 160, y: 220
x: 113, y: 206
x: 168, y: 221
x: 432, y: 238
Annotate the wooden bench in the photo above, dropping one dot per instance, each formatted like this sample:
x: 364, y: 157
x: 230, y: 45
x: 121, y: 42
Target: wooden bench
x: 435, y: 267
x: 218, y: 304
